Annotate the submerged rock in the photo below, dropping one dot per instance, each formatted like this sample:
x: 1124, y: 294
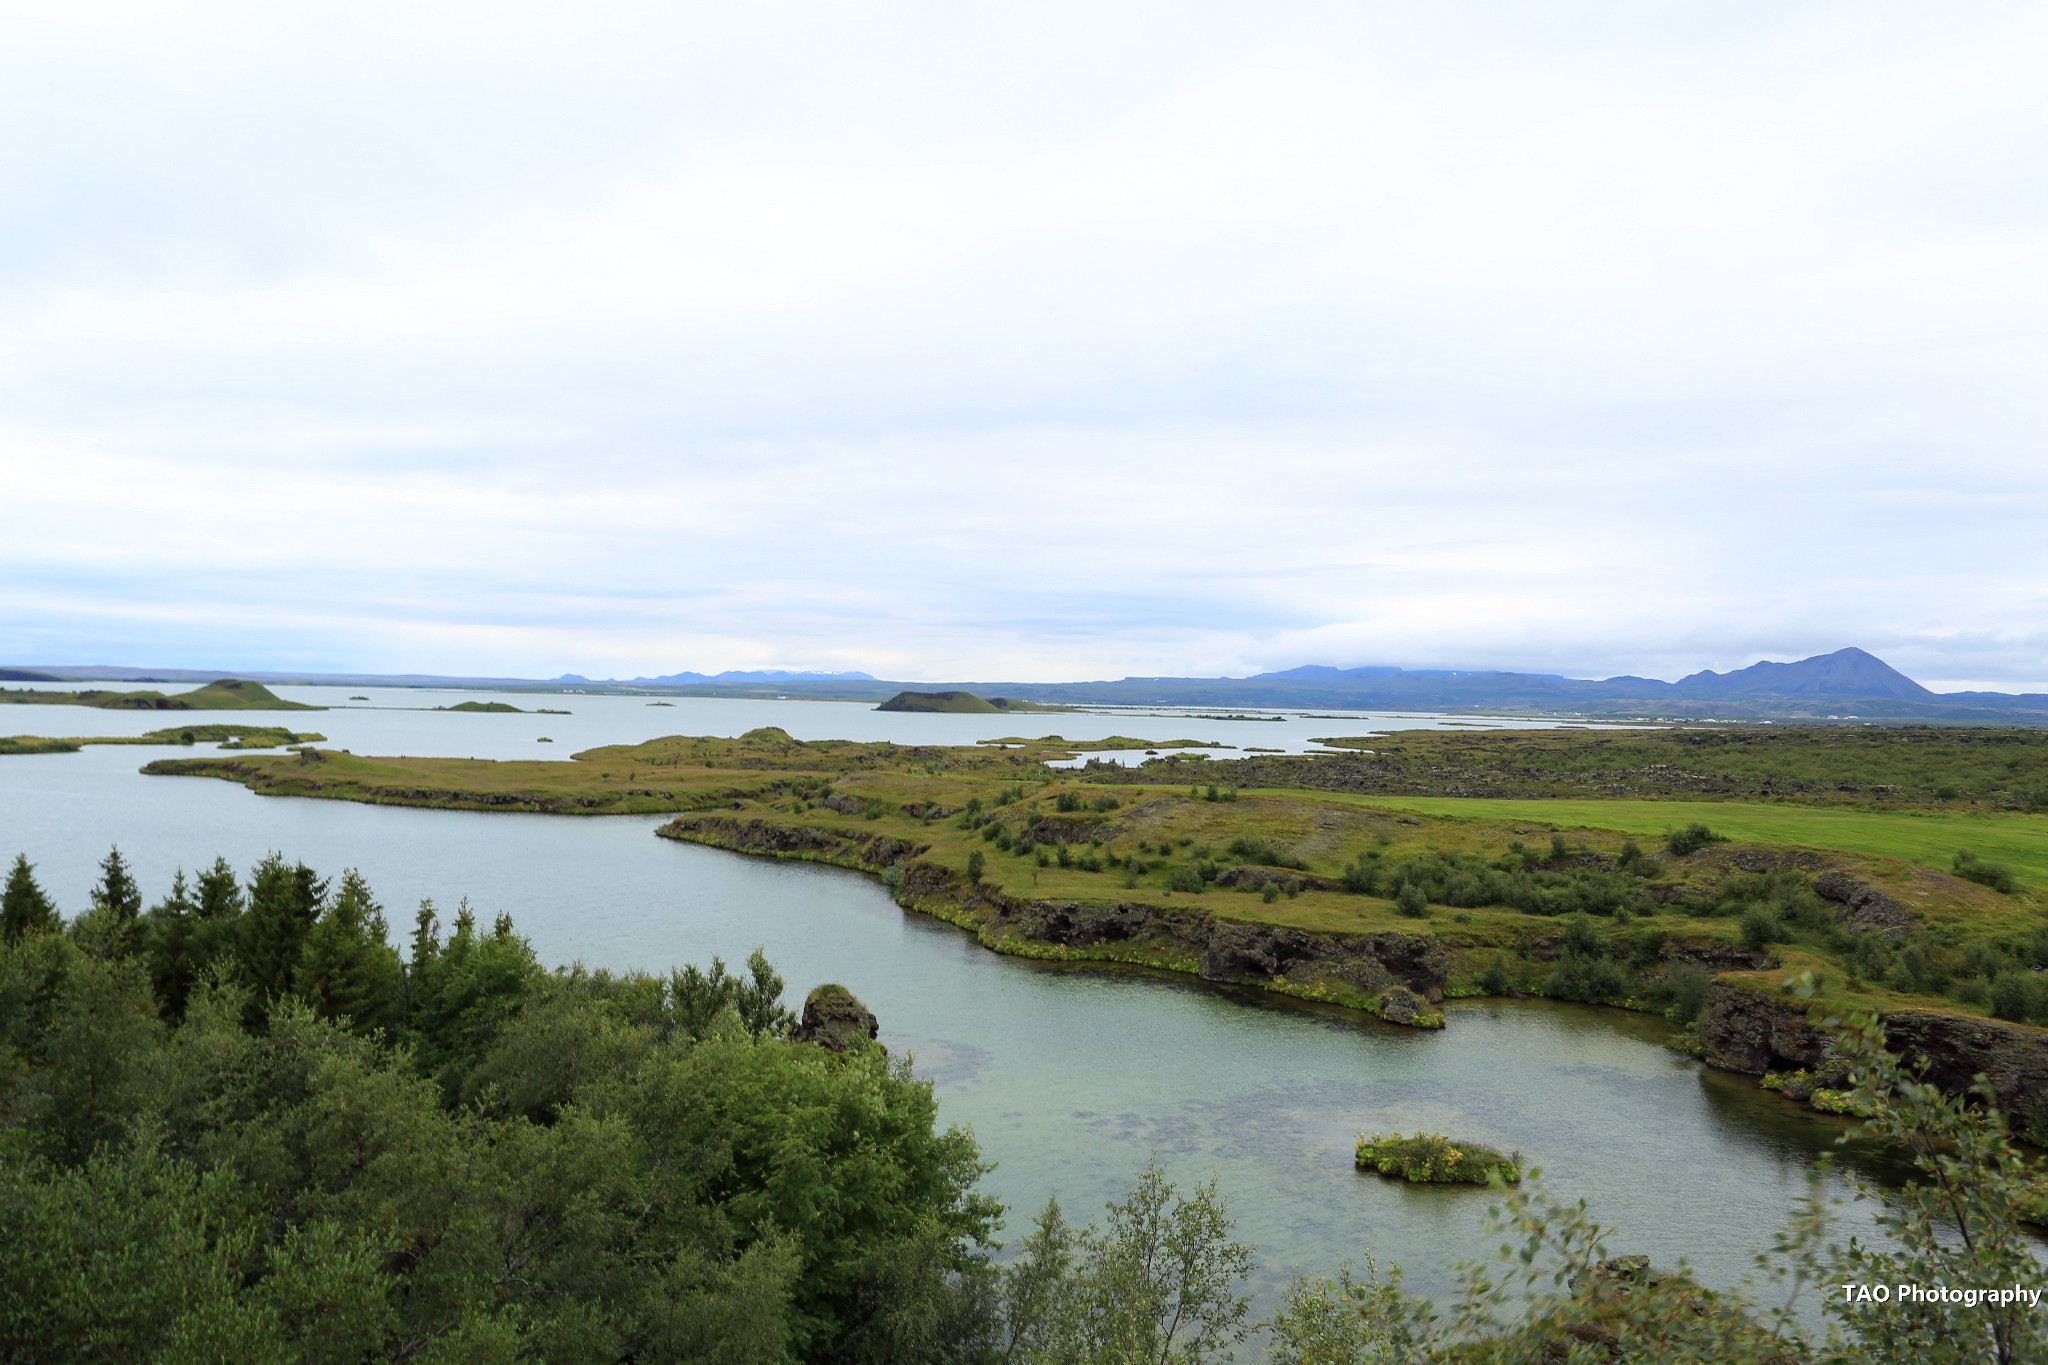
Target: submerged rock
x: 835, y: 1019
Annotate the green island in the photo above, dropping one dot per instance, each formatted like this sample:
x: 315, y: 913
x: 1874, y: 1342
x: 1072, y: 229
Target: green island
x: 497, y: 708
x: 1683, y: 893
x: 1433, y: 1159
x: 963, y: 704
x: 225, y: 694
x: 227, y: 736
x: 1111, y: 744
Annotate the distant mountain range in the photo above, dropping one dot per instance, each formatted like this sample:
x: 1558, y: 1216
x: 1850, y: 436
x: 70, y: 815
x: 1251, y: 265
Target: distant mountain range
x: 1849, y: 684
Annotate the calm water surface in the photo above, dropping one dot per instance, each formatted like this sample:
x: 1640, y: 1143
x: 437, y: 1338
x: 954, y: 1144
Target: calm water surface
x: 1070, y: 1076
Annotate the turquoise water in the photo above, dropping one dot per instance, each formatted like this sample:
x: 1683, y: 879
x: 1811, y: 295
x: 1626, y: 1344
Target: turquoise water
x: 1070, y: 1076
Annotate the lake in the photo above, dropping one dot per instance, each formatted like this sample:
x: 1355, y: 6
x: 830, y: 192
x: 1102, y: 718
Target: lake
x: 1071, y: 1076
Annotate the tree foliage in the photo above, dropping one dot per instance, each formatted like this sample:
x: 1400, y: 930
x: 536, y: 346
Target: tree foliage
x: 465, y: 1156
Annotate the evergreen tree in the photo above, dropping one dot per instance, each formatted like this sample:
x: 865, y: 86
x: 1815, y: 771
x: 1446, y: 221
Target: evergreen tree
x: 348, y: 969
x: 113, y: 927
x: 284, y: 903
x: 24, y: 909
x: 216, y: 916
x: 168, y: 932
x: 220, y: 895
x: 426, y: 953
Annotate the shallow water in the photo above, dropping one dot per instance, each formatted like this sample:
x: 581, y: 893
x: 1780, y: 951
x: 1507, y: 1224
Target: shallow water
x: 1071, y: 1076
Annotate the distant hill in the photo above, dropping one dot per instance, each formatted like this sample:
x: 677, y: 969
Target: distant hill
x: 224, y: 694
x: 1844, y: 673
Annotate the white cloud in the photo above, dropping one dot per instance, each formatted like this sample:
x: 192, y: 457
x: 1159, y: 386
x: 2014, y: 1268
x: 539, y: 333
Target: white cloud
x: 962, y: 341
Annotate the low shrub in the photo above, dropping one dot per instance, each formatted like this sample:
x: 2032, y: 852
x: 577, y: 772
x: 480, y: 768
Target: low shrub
x: 1588, y: 980
x: 1984, y: 872
x: 1250, y: 849
x: 1683, y: 843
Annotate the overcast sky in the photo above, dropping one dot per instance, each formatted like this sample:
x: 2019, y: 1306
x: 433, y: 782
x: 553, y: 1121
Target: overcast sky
x: 1025, y: 341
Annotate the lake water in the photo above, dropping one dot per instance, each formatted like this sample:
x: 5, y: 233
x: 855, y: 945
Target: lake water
x: 1070, y: 1076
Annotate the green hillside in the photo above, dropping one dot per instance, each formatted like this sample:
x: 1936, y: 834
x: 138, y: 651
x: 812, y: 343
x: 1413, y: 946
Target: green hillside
x: 225, y: 694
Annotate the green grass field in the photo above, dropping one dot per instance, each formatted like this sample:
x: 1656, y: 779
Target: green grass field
x: 1929, y: 838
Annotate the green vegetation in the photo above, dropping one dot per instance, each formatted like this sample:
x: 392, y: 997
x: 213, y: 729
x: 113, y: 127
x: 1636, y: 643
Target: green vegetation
x: 227, y: 694
x: 1432, y: 1158
x: 1882, y: 768
x: 227, y: 736
x: 1683, y: 843
x: 1524, y: 897
x: 38, y: 744
x: 1984, y: 872
x: 238, y: 1124
x: 1925, y: 838
x: 497, y: 708
x: 962, y: 703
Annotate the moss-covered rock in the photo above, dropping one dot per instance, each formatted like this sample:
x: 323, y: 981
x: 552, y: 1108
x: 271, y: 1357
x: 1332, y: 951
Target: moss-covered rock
x: 835, y: 1019
x: 1399, y: 1005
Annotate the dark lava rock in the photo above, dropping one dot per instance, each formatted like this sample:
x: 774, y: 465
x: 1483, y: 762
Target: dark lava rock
x: 1399, y: 1005
x: 1957, y: 1048
x: 1747, y: 1031
x: 1864, y: 907
x: 835, y: 1019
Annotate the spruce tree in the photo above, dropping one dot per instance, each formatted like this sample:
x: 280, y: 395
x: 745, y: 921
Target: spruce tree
x: 216, y: 916
x: 113, y: 927
x: 220, y: 895
x: 348, y: 969
x: 426, y: 953
x: 284, y: 902
x: 24, y: 909
x: 169, y: 931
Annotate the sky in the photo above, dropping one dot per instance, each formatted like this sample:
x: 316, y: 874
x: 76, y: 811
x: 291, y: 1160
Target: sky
x: 959, y: 341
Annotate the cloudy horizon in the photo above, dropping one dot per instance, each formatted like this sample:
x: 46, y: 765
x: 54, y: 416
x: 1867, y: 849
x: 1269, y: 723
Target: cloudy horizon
x: 983, y: 342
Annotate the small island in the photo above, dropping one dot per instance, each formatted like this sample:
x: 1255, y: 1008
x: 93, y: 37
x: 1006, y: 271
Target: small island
x: 1433, y: 1159
x: 497, y: 708
x: 224, y: 694
x: 227, y: 736
x: 962, y: 704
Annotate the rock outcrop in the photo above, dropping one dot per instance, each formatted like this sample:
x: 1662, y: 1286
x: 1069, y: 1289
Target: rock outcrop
x: 1751, y: 1032
x: 1399, y: 1005
x: 835, y: 1020
x: 1958, y: 1048
x: 1754, y: 1032
x: 1864, y: 907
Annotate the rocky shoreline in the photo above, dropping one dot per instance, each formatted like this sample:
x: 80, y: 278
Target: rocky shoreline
x: 1398, y: 977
